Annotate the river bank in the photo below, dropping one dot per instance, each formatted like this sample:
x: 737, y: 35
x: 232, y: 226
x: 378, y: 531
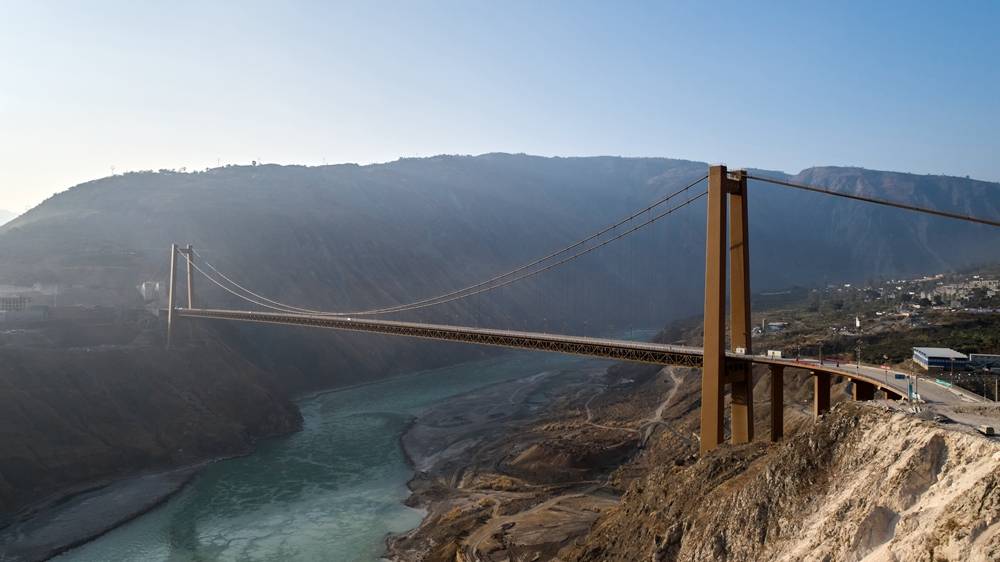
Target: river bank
x: 528, y: 453
x: 331, y: 491
x: 611, y: 471
x: 76, y: 519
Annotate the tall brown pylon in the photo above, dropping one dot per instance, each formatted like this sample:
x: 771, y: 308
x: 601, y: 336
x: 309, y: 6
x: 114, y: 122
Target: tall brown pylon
x: 172, y: 287
x: 727, y: 203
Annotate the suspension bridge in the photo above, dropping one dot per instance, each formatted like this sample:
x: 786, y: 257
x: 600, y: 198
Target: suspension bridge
x: 726, y: 256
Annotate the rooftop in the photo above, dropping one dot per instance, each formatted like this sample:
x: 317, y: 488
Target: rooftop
x: 945, y: 352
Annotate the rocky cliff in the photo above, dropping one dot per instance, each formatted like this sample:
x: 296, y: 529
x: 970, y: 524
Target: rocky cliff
x: 860, y: 484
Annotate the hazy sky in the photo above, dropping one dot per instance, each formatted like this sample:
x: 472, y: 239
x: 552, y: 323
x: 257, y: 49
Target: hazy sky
x: 88, y: 85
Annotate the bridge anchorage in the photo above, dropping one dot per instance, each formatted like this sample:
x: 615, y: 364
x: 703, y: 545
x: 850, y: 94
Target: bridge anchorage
x: 727, y: 250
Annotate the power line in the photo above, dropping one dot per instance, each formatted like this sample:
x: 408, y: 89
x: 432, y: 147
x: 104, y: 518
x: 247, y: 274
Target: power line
x: 877, y: 201
x: 447, y: 297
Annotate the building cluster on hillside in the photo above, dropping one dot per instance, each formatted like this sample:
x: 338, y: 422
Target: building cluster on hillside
x: 39, y: 303
x: 973, y: 293
x: 25, y: 304
x: 959, y: 293
x: 769, y: 328
x: 152, y: 291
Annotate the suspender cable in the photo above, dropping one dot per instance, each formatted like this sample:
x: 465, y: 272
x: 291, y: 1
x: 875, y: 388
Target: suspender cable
x: 280, y: 306
x: 447, y: 297
x: 244, y: 297
x: 567, y: 259
x: 491, y: 287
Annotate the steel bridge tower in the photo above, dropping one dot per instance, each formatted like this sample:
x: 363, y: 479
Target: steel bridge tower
x: 727, y: 206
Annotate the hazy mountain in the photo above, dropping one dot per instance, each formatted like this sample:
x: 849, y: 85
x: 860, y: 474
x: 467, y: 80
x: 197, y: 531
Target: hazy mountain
x: 348, y: 237
x: 6, y: 216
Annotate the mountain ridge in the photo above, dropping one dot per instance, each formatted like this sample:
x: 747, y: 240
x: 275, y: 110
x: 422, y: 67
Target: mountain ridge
x: 348, y: 236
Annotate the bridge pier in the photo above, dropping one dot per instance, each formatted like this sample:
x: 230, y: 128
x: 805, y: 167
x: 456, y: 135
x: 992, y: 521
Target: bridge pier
x: 890, y: 395
x: 821, y: 392
x: 777, y: 402
x: 862, y: 390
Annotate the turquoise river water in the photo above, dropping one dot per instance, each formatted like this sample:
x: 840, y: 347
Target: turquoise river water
x: 328, y: 493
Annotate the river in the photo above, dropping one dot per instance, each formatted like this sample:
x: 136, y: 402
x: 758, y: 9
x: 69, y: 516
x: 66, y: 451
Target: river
x: 330, y: 492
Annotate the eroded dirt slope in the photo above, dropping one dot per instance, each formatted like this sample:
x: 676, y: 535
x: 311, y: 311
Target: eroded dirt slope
x: 610, y: 472
x: 863, y: 483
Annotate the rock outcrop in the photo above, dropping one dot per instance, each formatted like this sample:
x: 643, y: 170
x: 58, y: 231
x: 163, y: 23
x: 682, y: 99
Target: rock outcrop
x: 611, y: 473
x: 862, y: 483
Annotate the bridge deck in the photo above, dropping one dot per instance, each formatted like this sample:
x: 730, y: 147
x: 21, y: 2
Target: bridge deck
x: 622, y: 350
x: 605, y: 348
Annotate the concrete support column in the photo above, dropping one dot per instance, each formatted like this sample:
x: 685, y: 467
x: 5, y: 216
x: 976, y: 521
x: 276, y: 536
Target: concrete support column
x: 713, y: 366
x: 821, y: 392
x: 777, y: 402
x: 862, y: 390
x: 739, y: 298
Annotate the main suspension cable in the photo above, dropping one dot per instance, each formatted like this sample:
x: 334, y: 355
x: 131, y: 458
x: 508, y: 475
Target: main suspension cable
x: 460, y: 293
x: 564, y: 260
x: 482, y: 289
x: 244, y: 297
x: 280, y: 306
x: 877, y: 201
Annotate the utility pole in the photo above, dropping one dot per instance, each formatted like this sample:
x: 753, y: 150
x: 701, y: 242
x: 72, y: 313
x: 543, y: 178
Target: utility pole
x: 857, y: 324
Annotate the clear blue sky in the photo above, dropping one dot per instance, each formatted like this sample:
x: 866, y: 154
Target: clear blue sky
x: 785, y: 85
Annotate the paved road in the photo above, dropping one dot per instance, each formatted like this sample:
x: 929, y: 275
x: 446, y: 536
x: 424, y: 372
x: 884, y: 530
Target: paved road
x: 930, y: 391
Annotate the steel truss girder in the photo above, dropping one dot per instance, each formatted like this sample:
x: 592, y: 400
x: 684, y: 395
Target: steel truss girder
x: 620, y: 350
